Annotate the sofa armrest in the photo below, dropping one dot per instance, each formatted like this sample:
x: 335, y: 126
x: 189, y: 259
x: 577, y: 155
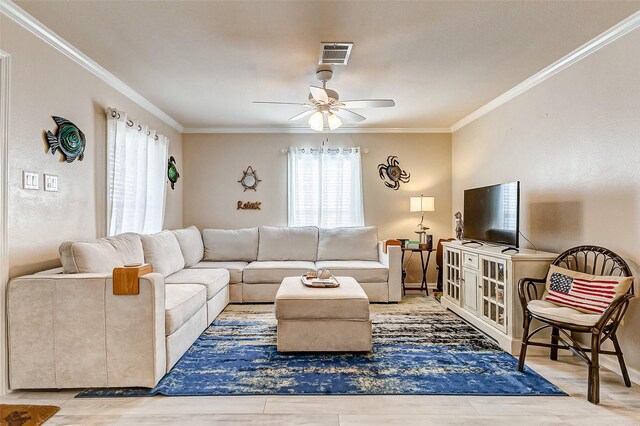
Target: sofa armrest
x: 69, y: 331
x: 392, y: 259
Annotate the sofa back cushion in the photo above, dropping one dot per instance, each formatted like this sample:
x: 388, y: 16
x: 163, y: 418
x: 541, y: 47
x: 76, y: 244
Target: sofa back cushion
x: 349, y: 243
x: 228, y: 245
x: 284, y: 243
x: 101, y: 255
x: 163, y: 252
x: 191, y: 245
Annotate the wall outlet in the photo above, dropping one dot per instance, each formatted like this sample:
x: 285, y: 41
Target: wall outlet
x: 50, y: 183
x: 30, y: 180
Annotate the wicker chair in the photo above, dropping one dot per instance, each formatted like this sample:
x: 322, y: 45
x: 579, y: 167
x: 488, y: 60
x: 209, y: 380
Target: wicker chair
x: 592, y: 260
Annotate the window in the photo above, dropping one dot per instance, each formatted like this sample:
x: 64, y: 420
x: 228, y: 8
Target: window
x: 136, y: 170
x: 325, y: 187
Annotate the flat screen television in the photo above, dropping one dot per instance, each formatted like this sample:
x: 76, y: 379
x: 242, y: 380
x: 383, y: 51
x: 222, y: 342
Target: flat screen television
x: 492, y: 214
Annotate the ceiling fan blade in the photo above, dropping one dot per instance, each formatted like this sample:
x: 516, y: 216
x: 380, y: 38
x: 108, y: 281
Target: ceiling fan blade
x: 348, y: 115
x: 283, y: 103
x: 369, y: 103
x: 319, y: 94
x: 302, y: 115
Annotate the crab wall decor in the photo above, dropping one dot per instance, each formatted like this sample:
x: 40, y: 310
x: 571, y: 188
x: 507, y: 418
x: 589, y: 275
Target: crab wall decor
x: 392, y: 174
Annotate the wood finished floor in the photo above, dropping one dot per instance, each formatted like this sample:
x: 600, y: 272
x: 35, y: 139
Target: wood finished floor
x: 619, y: 406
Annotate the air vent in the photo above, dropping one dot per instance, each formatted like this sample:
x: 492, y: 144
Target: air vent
x: 335, y: 53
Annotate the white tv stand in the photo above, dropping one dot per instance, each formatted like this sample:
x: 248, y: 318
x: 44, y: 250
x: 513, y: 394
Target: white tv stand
x: 480, y: 285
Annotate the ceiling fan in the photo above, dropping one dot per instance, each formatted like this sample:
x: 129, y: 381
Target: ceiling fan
x: 326, y: 102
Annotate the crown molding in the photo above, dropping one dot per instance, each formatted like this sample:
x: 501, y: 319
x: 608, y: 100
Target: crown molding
x: 623, y: 27
x: 31, y: 24
x: 310, y: 131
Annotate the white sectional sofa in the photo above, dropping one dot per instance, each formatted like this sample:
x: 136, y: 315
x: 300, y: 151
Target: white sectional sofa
x: 67, y: 329
x: 259, y: 258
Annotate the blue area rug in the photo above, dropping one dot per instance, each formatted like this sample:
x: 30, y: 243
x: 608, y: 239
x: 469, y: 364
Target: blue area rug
x: 419, y: 348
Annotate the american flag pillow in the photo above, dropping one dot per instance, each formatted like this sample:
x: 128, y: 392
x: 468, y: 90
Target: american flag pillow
x: 584, y: 292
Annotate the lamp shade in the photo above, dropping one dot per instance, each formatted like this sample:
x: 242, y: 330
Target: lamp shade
x: 334, y: 121
x: 422, y: 204
x: 316, y: 121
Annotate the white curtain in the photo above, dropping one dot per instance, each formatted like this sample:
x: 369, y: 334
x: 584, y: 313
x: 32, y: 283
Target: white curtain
x: 136, y: 171
x: 325, y: 187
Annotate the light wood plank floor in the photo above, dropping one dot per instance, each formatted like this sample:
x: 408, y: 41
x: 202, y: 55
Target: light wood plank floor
x: 619, y: 406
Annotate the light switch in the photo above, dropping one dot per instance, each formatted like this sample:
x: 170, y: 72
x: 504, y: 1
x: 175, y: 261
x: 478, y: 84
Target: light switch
x: 51, y: 183
x: 30, y: 180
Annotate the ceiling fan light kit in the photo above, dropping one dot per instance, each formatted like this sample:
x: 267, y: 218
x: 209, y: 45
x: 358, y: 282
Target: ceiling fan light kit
x: 316, y: 121
x: 323, y: 101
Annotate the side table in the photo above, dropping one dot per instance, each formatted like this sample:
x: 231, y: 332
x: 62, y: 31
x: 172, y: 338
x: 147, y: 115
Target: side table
x: 425, y: 265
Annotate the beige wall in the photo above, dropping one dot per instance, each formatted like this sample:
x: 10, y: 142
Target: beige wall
x: 574, y: 143
x: 44, y: 83
x: 214, y: 163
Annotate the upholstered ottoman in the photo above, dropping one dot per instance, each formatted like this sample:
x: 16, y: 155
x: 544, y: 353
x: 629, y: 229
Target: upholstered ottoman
x: 322, y: 319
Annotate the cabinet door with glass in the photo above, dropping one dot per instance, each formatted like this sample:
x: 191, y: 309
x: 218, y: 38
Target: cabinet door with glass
x: 493, y: 279
x: 452, y: 274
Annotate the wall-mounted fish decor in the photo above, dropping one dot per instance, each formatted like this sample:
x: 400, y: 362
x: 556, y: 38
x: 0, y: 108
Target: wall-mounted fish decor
x: 172, y: 172
x: 68, y: 139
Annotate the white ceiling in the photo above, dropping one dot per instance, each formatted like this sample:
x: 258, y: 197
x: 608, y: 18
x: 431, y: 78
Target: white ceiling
x: 203, y: 62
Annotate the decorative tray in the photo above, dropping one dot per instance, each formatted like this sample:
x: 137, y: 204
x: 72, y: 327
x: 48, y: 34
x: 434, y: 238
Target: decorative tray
x: 318, y: 283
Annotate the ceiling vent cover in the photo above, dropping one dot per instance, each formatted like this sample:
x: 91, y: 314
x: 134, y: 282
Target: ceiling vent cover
x: 335, y: 53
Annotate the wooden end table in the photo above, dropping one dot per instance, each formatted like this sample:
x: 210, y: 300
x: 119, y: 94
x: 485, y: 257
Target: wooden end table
x: 423, y: 264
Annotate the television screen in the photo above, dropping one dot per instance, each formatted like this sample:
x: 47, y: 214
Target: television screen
x: 491, y: 214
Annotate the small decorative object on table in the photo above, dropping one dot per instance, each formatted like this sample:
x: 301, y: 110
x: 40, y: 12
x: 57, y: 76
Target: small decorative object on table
x: 320, y: 279
x: 68, y: 139
x: 459, y: 225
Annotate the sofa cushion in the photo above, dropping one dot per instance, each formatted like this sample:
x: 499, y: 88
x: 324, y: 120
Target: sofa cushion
x: 163, y: 252
x: 191, y: 245
x: 561, y: 313
x: 128, y: 246
x: 181, y: 302
x: 101, y: 255
x: 364, y: 271
x: 228, y: 245
x: 591, y: 294
x: 235, y: 269
x: 275, y: 271
x: 294, y: 301
x: 284, y: 243
x: 88, y: 257
x: 213, y: 279
x: 348, y: 243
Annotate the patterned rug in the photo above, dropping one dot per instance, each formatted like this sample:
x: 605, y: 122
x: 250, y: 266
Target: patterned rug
x: 418, y: 348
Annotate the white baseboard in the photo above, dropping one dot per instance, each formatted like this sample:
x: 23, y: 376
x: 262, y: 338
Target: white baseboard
x: 610, y: 362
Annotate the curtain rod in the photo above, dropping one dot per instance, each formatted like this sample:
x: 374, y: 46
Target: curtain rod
x: 329, y: 150
x: 129, y: 123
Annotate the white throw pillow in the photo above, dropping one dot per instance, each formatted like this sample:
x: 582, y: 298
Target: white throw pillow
x: 163, y: 252
x: 284, y: 243
x: 228, y: 245
x: 348, y: 243
x: 191, y: 244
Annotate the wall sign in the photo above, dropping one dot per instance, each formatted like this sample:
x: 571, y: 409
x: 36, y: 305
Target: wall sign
x: 249, y: 205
